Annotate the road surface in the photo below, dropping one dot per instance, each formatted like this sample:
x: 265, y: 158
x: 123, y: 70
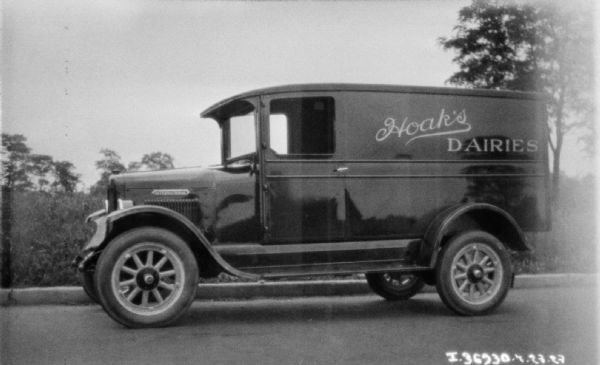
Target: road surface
x: 322, y: 330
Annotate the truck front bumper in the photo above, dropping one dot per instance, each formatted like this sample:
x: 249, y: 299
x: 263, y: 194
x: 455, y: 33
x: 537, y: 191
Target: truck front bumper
x: 89, y: 250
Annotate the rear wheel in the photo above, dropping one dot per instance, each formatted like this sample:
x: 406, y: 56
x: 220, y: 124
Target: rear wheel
x: 473, y: 273
x: 146, y: 277
x: 395, y: 285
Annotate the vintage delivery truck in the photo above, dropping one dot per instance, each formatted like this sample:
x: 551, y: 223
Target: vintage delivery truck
x: 409, y: 185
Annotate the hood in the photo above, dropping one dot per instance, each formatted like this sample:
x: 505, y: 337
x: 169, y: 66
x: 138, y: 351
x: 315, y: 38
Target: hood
x: 193, y: 178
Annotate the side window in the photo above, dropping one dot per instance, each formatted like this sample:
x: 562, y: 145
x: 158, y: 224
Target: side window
x: 302, y: 126
x: 278, y: 138
x: 242, y: 140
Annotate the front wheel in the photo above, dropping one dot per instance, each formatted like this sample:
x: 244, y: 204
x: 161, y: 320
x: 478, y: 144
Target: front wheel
x: 87, y: 282
x: 146, y: 277
x: 473, y: 273
x: 395, y: 285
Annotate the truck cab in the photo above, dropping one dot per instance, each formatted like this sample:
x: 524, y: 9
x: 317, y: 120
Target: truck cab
x: 409, y: 185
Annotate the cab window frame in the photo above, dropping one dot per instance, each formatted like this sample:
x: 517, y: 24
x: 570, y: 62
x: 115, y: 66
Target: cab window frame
x: 237, y: 108
x: 329, y: 108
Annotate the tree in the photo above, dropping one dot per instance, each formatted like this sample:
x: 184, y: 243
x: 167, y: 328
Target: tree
x: 153, y: 161
x: 111, y: 162
x: 108, y: 164
x: 15, y: 156
x: 531, y: 46
x: 65, y: 179
x: 39, y: 169
x: 23, y: 170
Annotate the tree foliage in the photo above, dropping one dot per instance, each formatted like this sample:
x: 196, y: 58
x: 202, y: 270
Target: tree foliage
x: 23, y: 170
x: 15, y: 154
x: 66, y: 179
x: 108, y: 164
x: 153, y: 161
x: 111, y: 163
x: 532, y: 46
x: 39, y: 168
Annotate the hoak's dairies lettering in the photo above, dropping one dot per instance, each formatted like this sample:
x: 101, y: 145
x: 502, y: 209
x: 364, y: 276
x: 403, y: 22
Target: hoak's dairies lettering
x: 493, y: 145
x: 445, y: 124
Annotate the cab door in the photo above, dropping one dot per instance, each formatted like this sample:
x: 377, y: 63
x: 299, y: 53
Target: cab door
x: 303, y: 179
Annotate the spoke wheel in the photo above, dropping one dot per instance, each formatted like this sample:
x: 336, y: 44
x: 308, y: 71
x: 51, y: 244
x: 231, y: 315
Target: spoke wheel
x: 477, y: 273
x: 473, y: 273
x: 146, y: 277
x: 395, y: 285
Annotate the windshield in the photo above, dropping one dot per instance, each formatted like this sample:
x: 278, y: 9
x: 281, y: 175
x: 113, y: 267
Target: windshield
x: 241, y: 136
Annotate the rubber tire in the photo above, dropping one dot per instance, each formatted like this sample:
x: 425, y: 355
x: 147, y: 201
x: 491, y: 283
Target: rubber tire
x: 87, y: 282
x: 379, y: 285
x: 443, y: 273
x: 110, y: 256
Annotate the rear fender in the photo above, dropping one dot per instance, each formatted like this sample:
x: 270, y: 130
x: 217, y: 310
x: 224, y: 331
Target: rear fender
x: 480, y: 216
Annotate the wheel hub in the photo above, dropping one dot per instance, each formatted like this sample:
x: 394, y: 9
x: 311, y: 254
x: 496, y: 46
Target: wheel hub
x: 475, y: 273
x: 398, y: 280
x: 147, y: 278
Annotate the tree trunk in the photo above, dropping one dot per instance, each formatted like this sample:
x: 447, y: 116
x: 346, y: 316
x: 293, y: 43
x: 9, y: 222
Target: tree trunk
x: 556, y: 173
x: 560, y: 133
x: 5, y: 264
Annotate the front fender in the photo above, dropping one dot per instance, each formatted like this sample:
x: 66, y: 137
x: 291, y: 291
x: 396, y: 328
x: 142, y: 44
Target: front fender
x: 88, y: 251
x: 108, y: 226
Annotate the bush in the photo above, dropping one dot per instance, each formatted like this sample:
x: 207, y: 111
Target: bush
x: 47, y: 232
x: 571, y: 244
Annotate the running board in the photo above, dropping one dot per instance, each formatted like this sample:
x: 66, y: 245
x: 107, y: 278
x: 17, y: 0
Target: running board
x: 314, y: 258
x: 339, y: 268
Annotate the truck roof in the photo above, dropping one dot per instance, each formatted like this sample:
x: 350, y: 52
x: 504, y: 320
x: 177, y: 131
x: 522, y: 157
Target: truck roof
x: 330, y: 87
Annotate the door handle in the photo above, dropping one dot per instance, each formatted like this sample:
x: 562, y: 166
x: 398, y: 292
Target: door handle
x: 341, y: 169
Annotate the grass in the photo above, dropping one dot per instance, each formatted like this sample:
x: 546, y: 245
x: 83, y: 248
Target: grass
x: 47, y: 232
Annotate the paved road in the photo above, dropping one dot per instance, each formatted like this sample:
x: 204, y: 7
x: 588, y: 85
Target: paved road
x: 323, y: 330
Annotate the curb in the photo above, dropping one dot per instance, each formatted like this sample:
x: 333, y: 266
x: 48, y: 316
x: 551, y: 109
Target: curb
x: 71, y: 295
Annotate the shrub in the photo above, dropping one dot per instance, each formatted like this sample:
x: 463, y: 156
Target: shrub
x: 570, y: 246
x: 47, y: 232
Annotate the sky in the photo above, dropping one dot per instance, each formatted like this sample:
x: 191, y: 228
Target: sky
x: 133, y: 76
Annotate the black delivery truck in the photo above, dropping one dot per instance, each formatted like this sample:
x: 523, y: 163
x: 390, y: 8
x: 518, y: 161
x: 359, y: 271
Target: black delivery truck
x: 408, y: 185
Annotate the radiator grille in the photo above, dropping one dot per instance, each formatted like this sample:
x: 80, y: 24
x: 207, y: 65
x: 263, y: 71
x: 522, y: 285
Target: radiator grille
x: 187, y: 207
